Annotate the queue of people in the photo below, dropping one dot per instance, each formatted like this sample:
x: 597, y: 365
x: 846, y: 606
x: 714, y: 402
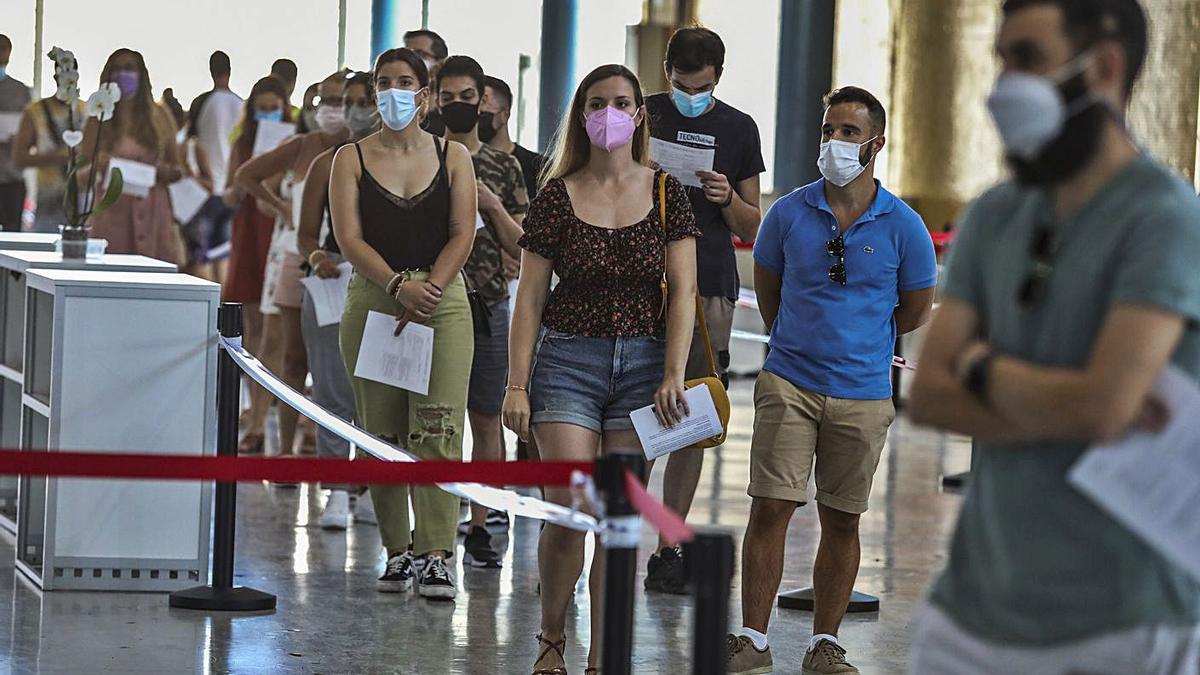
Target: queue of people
x: 562, y: 290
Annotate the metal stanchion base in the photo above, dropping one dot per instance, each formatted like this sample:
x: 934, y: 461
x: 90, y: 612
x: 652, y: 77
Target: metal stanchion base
x: 956, y: 480
x: 236, y: 599
x: 802, y: 599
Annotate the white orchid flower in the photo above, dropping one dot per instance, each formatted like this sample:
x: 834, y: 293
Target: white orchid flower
x: 63, y: 59
x: 68, y: 86
x: 102, y: 103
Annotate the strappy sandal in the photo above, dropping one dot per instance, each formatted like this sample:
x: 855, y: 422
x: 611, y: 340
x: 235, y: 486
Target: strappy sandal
x: 557, y: 647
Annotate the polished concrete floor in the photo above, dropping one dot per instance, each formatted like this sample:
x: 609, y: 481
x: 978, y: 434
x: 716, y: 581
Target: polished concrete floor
x: 331, y: 620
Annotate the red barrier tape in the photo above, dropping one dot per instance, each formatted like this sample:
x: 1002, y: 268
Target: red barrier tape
x: 667, y: 522
x: 283, y: 469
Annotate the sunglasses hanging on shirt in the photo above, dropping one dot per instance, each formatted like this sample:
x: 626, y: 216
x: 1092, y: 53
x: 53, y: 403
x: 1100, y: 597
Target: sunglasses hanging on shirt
x: 836, y: 247
x: 1042, y: 248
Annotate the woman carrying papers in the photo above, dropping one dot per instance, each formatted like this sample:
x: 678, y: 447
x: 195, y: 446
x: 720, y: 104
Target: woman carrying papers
x: 403, y: 205
x: 250, y: 241
x: 286, y: 166
x: 140, y: 136
x: 318, y: 245
x: 610, y: 338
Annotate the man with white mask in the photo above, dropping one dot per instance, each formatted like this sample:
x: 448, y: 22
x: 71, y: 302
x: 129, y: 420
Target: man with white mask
x: 841, y: 267
x: 1069, y: 291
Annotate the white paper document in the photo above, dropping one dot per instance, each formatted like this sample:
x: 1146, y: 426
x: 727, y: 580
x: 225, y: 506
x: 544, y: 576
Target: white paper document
x: 138, y: 177
x: 403, y: 361
x: 329, y: 295
x: 187, y: 196
x: 702, y: 423
x: 1149, y: 482
x: 682, y: 161
x: 9, y: 122
x: 271, y: 134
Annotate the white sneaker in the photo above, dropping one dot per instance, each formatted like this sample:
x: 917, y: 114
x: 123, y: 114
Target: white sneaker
x: 336, y: 515
x: 364, y: 509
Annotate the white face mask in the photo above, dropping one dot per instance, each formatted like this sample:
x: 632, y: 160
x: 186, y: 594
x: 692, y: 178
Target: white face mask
x: 1029, y: 110
x: 839, y: 162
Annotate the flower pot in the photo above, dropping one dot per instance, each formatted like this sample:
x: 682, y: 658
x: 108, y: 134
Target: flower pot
x: 75, y: 241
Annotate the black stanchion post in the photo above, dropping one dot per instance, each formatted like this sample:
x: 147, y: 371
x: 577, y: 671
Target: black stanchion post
x: 622, y: 528
x: 222, y: 595
x: 708, y: 562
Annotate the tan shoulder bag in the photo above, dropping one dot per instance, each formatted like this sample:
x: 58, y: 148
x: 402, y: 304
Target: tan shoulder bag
x: 716, y: 388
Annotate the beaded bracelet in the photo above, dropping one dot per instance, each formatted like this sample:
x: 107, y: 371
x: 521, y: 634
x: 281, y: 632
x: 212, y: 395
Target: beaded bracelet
x: 392, y: 286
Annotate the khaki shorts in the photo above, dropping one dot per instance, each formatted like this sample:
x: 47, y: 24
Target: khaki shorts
x: 718, y: 314
x: 792, y: 426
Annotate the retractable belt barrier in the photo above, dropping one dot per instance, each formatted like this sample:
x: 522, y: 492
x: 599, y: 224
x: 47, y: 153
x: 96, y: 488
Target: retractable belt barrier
x: 617, y: 496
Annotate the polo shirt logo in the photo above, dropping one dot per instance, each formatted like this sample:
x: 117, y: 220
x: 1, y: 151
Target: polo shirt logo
x: 698, y: 139
x: 868, y: 249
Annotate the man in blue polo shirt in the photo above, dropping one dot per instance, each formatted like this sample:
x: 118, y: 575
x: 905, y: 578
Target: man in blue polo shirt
x: 841, y: 267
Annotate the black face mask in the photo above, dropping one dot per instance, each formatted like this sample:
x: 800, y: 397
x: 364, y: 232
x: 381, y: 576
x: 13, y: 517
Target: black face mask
x: 487, y: 128
x: 1074, y: 147
x: 460, y: 117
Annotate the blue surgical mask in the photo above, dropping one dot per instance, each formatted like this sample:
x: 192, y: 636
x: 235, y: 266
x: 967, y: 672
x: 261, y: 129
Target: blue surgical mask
x: 691, y: 105
x: 397, y: 107
x: 269, y: 115
x: 3, y: 72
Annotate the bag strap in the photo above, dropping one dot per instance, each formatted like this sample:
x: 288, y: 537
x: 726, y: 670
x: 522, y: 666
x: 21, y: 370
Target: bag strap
x: 662, y: 216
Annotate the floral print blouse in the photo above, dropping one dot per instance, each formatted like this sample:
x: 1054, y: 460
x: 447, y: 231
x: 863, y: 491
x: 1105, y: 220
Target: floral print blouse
x: 609, y: 279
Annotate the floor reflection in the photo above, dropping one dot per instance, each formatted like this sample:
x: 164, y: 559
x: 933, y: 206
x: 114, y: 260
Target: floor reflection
x: 331, y: 620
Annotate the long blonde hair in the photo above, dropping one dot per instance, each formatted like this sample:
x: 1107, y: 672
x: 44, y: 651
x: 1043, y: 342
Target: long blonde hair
x: 572, y: 147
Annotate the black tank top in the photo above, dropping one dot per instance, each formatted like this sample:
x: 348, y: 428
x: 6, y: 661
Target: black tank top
x: 408, y: 233
x: 330, y: 244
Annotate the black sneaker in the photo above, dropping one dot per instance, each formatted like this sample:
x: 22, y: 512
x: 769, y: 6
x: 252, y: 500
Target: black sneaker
x: 437, y: 580
x: 664, y: 572
x: 497, y: 522
x: 479, y: 552
x: 397, y: 576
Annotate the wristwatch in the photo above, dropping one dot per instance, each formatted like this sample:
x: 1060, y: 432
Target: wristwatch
x: 977, y: 375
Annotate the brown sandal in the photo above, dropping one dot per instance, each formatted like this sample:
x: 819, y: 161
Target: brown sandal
x: 557, y: 647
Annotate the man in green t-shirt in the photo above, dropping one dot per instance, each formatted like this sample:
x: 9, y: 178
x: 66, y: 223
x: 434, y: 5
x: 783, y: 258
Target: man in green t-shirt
x: 1068, y: 292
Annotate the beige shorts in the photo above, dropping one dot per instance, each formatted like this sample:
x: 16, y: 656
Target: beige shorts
x: 794, y: 426
x: 289, y: 292
x: 718, y: 314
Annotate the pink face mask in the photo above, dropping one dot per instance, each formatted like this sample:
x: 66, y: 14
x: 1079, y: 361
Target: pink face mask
x: 609, y: 128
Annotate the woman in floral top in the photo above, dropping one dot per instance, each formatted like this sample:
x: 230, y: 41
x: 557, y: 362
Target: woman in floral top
x: 606, y: 340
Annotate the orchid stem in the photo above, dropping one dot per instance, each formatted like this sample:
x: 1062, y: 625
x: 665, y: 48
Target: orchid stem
x: 89, y: 196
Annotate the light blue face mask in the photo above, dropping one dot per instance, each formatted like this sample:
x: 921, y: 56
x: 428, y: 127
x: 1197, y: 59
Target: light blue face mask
x: 397, y: 107
x: 269, y: 116
x: 691, y: 105
x: 3, y: 72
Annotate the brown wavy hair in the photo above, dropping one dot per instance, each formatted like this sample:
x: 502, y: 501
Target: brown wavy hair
x: 571, y: 144
x: 147, y: 122
x: 249, y: 125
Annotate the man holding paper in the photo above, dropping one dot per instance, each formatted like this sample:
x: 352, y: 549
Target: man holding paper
x: 841, y: 267
x: 713, y: 150
x: 14, y: 96
x: 1069, y: 290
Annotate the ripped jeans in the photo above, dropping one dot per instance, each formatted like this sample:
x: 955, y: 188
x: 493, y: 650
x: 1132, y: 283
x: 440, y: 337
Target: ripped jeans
x: 430, y: 427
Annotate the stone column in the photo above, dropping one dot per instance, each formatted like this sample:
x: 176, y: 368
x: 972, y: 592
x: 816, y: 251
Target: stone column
x: 944, y: 149
x: 1163, y: 111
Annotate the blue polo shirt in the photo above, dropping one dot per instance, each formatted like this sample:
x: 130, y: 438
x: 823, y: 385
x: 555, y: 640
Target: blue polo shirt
x: 832, y: 339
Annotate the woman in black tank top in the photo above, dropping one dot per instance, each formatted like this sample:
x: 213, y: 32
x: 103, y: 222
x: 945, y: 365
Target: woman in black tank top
x: 403, y: 207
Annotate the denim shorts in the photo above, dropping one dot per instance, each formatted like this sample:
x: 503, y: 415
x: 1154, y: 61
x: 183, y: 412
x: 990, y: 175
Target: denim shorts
x: 594, y: 382
x: 489, y: 368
